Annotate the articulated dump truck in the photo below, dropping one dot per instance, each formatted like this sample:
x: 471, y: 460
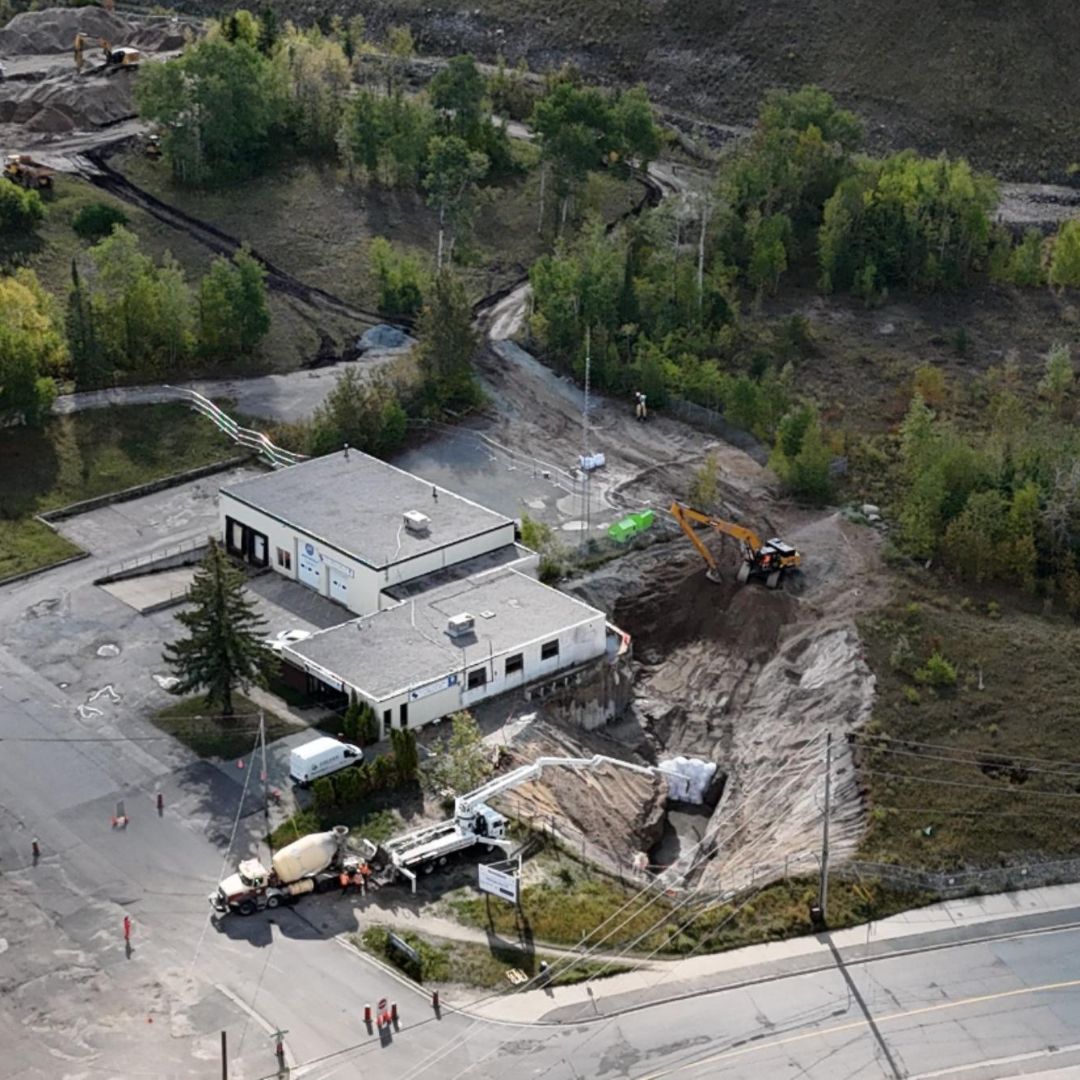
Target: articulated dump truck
x: 311, y: 864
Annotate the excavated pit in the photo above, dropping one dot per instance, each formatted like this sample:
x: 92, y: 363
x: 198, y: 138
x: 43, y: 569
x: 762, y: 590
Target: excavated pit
x: 753, y: 679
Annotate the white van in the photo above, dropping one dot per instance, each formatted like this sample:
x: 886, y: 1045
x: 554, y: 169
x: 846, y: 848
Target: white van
x: 321, y: 757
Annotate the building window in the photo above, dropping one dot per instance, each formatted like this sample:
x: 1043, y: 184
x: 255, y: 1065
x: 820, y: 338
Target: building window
x: 514, y: 664
x: 387, y: 722
x: 404, y: 714
x: 477, y: 678
x: 549, y: 650
x: 284, y: 559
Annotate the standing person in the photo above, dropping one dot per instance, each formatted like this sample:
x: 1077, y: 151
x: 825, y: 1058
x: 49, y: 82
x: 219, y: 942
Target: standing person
x: 638, y: 404
x: 643, y: 409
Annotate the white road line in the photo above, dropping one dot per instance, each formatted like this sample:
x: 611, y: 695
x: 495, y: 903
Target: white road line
x: 264, y: 1024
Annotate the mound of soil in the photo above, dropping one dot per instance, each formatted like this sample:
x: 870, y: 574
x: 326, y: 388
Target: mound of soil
x: 678, y: 604
x: 619, y: 811
x: 67, y: 104
x: 44, y: 33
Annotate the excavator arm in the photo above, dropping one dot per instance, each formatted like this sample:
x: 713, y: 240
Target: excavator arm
x: 685, y: 515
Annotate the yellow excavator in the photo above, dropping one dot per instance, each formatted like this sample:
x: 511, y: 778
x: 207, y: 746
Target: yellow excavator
x: 768, y: 561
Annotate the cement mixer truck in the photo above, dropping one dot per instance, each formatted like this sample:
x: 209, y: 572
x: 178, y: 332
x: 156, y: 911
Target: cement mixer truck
x: 311, y: 864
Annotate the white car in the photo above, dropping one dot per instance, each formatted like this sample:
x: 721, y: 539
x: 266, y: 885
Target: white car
x: 286, y: 637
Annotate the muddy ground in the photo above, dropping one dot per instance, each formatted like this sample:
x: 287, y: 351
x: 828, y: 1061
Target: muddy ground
x: 749, y: 678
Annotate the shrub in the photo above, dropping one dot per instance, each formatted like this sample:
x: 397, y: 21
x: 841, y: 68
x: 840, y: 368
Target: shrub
x: 912, y: 696
x: 96, y: 221
x: 349, y: 786
x: 21, y: 209
x: 324, y: 795
x: 937, y: 671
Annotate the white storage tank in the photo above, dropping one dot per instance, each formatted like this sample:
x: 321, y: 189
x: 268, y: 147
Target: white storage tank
x: 309, y: 854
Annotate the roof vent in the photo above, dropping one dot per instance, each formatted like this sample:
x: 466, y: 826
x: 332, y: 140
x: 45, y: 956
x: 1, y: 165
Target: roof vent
x: 416, y: 522
x: 487, y: 614
x: 460, y: 625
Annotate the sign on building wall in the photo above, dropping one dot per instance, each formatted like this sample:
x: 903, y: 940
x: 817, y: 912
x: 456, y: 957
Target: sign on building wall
x: 323, y: 675
x: 312, y: 552
x: 433, y: 688
x: 498, y: 883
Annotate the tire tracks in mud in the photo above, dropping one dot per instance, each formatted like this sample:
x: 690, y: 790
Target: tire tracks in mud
x: 104, y: 176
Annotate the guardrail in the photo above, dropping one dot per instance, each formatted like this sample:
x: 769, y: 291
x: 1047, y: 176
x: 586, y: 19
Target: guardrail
x: 159, y: 555
x: 242, y: 436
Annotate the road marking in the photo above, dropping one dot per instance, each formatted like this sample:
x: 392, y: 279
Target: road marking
x: 1014, y: 1060
x: 854, y: 1025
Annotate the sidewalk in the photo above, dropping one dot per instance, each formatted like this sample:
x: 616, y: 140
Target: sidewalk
x: 936, y: 926
x: 402, y: 917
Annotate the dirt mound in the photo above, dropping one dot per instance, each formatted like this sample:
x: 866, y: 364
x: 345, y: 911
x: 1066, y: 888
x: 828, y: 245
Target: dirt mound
x: 616, y: 811
x: 44, y: 33
x: 679, y: 604
x: 64, y: 104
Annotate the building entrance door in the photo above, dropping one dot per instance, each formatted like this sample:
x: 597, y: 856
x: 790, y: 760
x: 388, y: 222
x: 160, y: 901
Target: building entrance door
x: 339, y: 585
x: 309, y: 570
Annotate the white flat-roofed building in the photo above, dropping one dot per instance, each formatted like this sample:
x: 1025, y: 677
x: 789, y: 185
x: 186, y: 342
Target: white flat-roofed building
x: 349, y: 526
x: 454, y: 645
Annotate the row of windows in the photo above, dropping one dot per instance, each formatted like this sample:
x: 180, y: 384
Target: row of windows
x: 478, y: 676
x: 284, y: 559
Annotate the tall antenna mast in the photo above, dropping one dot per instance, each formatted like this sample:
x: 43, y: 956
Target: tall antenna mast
x: 585, y: 451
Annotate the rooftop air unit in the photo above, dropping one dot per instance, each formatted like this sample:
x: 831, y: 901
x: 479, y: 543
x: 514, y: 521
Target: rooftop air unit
x: 459, y: 625
x: 416, y: 522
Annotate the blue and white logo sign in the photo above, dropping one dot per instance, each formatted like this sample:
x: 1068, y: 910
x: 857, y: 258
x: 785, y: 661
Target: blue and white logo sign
x: 309, y: 549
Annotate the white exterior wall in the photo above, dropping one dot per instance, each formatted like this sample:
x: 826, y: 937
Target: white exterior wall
x: 363, y: 584
x: 362, y: 589
x: 577, y: 645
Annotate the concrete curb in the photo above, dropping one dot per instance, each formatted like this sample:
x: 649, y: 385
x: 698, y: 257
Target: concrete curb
x: 810, y: 965
x: 42, y: 569
x: 149, y: 488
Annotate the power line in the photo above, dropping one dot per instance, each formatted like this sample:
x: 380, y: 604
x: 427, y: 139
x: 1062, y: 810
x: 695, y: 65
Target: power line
x: 963, y: 813
x: 1003, y: 760
x: 435, y: 1057
x: 870, y: 741
x: 1013, y: 790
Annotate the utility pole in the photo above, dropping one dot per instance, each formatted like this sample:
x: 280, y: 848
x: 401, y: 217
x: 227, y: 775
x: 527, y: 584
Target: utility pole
x: 265, y: 780
x: 224, y: 1058
x: 823, y: 892
x: 587, y: 473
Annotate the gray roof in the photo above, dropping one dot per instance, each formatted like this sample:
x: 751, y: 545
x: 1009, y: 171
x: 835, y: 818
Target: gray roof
x: 355, y: 504
x: 408, y: 646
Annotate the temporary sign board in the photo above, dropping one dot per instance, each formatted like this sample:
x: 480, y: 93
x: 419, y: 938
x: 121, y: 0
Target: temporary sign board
x: 403, y: 947
x: 498, y: 883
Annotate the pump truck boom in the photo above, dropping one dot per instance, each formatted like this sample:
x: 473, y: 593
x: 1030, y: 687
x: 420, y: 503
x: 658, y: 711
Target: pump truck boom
x: 474, y: 822
x: 768, y: 561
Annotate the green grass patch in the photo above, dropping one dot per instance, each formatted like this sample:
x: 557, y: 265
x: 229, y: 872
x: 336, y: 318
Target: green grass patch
x: 576, y: 901
x: 100, y: 451
x: 26, y: 544
x: 363, y: 821
x: 1016, y: 680
x: 214, y: 737
x: 87, y: 454
x: 469, y: 963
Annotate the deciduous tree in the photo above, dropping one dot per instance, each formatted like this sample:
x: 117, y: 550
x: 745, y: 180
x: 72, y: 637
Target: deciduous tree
x: 32, y: 350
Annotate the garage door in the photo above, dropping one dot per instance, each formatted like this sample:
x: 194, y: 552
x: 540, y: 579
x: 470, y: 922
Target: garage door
x: 339, y: 585
x: 310, y: 571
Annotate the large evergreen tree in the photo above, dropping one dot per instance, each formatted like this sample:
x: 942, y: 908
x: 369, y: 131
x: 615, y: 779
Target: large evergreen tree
x: 223, y: 651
